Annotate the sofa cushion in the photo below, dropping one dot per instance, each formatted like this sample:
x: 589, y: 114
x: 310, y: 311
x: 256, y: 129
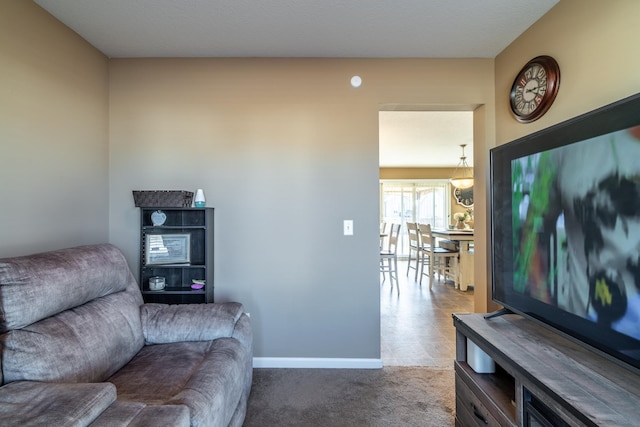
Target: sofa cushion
x: 118, y: 414
x: 214, y: 393
x: 159, y: 372
x: 136, y: 414
x: 208, y: 377
x: 164, y: 324
x: 37, y: 286
x: 27, y: 403
x: 84, y: 344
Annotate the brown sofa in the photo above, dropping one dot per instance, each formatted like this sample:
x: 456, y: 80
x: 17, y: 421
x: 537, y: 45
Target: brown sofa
x: 80, y: 348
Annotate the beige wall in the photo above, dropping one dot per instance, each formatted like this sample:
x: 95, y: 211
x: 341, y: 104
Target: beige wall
x: 53, y: 134
x: 416, y: 173
x: 595, y: 44
x: 286, y: 150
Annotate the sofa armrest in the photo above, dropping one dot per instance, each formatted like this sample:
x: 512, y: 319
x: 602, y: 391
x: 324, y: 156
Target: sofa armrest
x: 162, y: 323
x: 32, y: 403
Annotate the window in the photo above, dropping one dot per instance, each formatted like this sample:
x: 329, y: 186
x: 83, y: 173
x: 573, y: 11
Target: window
x: 426, y: 202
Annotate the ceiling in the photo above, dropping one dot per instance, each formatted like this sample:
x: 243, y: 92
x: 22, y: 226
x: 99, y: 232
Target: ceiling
x: 316, y: 28
x: 299, y: 28
x: 425, y: 138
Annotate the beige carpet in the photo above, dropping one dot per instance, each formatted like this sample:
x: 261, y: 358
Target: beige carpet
x: 392, y: 396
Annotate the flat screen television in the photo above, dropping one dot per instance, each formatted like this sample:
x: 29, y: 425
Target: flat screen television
x: 565, y: 228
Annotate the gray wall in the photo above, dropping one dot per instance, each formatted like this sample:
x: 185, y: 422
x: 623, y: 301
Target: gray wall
x: 285, y: 150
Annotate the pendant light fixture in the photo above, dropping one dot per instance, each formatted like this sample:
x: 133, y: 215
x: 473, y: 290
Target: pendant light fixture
x: 462, y: 175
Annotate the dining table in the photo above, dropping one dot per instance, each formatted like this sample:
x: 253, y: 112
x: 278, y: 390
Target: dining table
x: 464, y: 238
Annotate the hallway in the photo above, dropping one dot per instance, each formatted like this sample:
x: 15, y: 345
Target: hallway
x: 416, y: 326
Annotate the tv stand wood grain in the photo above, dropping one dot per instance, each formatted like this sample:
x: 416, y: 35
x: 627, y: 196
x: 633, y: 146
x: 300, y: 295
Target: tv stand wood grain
x: 578, y: 386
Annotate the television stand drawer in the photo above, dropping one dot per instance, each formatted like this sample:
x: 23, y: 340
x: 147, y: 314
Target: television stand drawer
x: 485, y: 399
x: 470, y: 411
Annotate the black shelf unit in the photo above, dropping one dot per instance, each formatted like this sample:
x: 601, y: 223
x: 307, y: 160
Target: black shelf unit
x: 198, y: 224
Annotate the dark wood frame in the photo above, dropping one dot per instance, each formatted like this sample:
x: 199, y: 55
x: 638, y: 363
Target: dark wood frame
x: 579, y: 386
x: 552, y: 69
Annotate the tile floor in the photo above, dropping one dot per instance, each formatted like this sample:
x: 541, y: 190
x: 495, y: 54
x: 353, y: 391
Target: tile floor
x: 416, y: 326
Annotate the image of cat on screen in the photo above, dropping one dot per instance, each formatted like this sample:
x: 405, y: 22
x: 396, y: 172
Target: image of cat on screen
x: 576, y: 222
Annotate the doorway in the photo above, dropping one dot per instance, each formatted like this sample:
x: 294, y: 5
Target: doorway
x: 419, y: 150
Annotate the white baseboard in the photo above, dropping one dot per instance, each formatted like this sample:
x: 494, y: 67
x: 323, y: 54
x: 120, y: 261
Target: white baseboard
x: 313, y: 362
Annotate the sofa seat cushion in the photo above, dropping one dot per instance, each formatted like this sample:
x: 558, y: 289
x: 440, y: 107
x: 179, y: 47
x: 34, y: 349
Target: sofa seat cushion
x: 27, y: 403
x: 208, y: 377
x: 87, y: 343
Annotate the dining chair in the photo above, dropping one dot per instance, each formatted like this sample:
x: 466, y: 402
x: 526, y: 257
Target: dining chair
x: 383, y: 233
x: 389, y: 257
x: 414, y: 247
x: 439, y: 260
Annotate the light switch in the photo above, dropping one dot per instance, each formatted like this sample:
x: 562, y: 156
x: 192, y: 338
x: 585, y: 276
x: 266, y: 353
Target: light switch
x: 348, y: 227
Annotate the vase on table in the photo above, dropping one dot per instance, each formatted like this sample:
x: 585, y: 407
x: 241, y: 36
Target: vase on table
x: 460, y: 225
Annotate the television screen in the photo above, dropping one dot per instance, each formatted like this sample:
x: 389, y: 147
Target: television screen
x: 565, y: 209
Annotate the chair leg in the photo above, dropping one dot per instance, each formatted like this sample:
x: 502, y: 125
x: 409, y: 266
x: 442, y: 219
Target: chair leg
x: 424, y: 259
x: 395, y: 272
x: 432, y: 267
x: 389, y: 266
x: 415, y: 258
x: 388, y: 271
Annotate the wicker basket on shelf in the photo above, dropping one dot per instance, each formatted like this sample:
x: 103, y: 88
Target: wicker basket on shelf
x: 163, y: 198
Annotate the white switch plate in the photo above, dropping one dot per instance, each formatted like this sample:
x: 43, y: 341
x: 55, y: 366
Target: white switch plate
x: 348, y: 227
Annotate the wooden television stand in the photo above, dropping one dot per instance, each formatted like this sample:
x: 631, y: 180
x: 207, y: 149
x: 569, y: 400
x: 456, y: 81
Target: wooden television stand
x: 541, y: 378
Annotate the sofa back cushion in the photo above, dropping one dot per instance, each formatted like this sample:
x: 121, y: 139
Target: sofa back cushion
x: 71, y: 315
x: 37, y: 286
x: 88, y: 343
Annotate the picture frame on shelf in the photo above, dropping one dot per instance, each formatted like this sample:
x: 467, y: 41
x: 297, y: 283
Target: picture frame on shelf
x: 168, y: 249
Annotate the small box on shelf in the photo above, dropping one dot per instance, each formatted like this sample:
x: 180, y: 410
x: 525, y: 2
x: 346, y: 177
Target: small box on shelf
x: 479, y: 361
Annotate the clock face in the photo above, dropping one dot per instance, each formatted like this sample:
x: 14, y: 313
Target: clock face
x: 535, y: 89
x: 530, y: 89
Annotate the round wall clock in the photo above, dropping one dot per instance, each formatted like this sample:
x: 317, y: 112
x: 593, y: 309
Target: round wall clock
x: 535, y: 89
x: 464, y: 196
